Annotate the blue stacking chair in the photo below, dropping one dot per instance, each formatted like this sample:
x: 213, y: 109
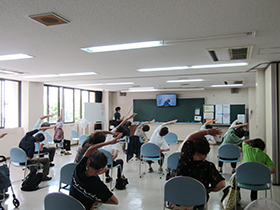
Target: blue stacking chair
x: 17, y: 157
x: 149, y: 151
x: 74, y: 135
x: 253, y: 176
x: 82, y: 138
x: 58, y: 201
x: 109, y: 162
x: 171, y: 138
x: 229, y: 153
x: 66, y: 173
x: 172, y: 160
x: 185, y: 191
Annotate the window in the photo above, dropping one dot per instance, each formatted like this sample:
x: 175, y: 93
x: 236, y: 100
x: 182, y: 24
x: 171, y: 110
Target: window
x: 10, y: 103
x: 77, y: 105
x: 52, y: 102
x: 71, y: 100
x: 68, y: 102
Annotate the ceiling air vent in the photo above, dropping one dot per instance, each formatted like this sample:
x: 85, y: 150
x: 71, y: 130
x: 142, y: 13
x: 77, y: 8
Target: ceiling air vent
x: 49, y: 19
x: 230, y: 53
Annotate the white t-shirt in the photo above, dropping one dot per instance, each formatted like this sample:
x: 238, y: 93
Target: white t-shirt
x: 157, y: 139
x: 111, y: 147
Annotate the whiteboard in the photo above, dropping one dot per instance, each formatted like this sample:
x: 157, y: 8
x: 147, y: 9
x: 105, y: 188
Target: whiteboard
x: 94, y: 112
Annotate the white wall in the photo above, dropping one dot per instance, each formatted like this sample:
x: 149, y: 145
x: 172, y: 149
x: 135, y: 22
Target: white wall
x: 213, y: 96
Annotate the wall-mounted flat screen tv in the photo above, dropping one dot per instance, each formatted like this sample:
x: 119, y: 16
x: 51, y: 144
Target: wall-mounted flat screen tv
x: 166, y: 100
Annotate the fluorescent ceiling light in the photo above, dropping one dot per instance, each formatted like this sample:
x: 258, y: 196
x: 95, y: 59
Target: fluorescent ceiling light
x: 218, y: 65
x: 127, y: 46
x: 4, y: 71
x: 115, y: 83
x: 120, y: 83
x: 164, y: 69
x: 14, y: 57
x: 40, y: 76
x: 184, y: 80
x: 160, y: 90
x: 229, y: 85
x: 77, y: 74
x: 193, y: 67
x: 60, y: 75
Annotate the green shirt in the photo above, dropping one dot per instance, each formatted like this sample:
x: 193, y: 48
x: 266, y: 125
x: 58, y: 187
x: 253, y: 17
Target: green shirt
x: 231, y: 138
x: 256, y: 155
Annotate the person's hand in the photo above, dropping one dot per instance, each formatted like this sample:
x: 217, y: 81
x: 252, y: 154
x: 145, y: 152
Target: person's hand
x: 131, y: 116
x: 36, y: 159
x: 174, y: 121
x: 214, y: 131
x: 2, y: 135
x: 153, y: 121
x: 103, y: 170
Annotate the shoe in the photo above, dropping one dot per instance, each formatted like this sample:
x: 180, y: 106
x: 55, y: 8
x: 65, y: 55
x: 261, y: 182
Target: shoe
x: 150, y: 170
x: 51, y: 164
x: 46, y: 178
x: 62, y: 152
x: 220, y: 172
x: 160, y: 170
x: 6, y: 196
x: 67, y: 153
x: 108, y: 179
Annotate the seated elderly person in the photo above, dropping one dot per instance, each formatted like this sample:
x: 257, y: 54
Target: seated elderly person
x: 193, y: 163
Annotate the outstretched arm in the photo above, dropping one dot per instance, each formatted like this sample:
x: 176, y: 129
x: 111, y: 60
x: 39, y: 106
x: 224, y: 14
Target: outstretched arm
x: 170, y: 122
x: 96, y: 146
x: 210, y: 121
x: 60, y: 116
x: 149, y: 122
x: 126, y: 119
x: 200, y: 133
x: 2, y: 135
x: 46, y: 116
x: 240, y: 125
x: 46, y: 128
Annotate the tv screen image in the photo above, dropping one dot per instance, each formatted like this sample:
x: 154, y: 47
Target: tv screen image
x: 166, y: 100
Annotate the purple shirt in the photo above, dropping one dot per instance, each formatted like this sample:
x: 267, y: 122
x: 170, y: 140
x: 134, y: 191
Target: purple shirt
x: 58, y: 134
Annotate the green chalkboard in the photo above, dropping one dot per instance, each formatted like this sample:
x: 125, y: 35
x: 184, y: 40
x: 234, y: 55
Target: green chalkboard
x: 147, y: 109
x: 236, y: 109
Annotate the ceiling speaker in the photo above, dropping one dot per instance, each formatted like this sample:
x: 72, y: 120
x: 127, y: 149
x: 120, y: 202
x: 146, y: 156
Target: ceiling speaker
x: 234, y: 90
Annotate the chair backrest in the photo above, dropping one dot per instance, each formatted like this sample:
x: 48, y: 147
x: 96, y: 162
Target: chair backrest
x: 229, y: 151
x: 263, y: 203
x: 37, y: 147
x: 108, y: 155
x: 171, y: 138
x: 123, y: 139
x: 58, y: 201
x: 49, y: 137
x: 82, y: 138
x: 253, y: 173
x: 66, y: 173
x: 150, y: 150
x: 173, y: 159
x: 74, y: 134
x: 18, y: 155
x: 185, y: 191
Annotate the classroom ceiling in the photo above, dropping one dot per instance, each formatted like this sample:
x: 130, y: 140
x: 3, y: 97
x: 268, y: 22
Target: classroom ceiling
x: 190, y: 28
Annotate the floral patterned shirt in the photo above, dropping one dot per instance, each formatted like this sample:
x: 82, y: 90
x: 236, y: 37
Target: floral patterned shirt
x: 203, y: 171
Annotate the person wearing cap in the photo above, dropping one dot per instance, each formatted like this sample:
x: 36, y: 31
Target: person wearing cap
x: 49, y: 150
x: 59, y: 137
